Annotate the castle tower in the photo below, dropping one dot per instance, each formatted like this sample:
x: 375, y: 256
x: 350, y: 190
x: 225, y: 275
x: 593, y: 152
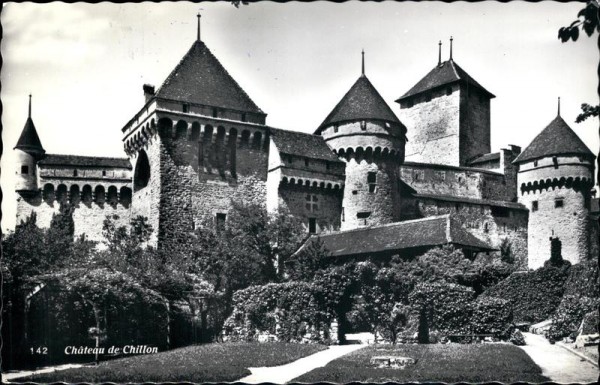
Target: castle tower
x: 364, y: 132
x: 28, y: 151
x: 198, y: 142
x: 554, y: 179
x: 448, y: 113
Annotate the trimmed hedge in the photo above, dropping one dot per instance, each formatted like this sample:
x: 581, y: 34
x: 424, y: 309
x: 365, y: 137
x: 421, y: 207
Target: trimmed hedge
x: 534, y: 295
x: 491, y: 316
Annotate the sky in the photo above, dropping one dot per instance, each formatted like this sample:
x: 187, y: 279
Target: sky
x: 85, y: 64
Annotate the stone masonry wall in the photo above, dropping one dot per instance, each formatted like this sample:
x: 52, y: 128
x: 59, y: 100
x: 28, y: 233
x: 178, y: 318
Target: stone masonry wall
x: 474, y: 124
x: 433, y: 127
x: 325, y: 205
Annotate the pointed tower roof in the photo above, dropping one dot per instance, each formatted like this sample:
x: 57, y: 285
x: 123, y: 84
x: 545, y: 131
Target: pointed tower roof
x: 29, y: 141
x: 445, y: 73
x: 556, y: 139
x: 361, y: 102
x: 200, y: 78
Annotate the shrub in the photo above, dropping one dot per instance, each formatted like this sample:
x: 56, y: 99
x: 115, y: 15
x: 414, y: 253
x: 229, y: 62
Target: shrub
x: 568, y: 316
x: 491, y: 316
x: 448, y: 306
x: 534, y: 295
x: 517, y: 338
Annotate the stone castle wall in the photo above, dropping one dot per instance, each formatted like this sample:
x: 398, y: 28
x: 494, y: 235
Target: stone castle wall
x: 433, y: 126
x: 474, y: 124
x: 324, y: 205
x: 545, y: 183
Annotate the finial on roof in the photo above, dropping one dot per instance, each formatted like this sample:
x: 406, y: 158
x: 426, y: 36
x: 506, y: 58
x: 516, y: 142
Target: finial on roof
x: 440, y: 53
x: 198, y: 16
x: 29, y: 114
x: 363, y: 63
x: 451, y: 47
x: 559, y: 106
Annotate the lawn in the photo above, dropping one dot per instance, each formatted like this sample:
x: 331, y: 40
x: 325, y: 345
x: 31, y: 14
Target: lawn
x: 198, y: 363
x: 435, y: 363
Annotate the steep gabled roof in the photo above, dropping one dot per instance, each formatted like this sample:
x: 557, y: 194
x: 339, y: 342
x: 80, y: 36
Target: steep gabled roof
x: 445, y: 73
x: 361, y: 102
x: 418, y: 233
x: 201, y: 79
x: 29, y: 141
x: 556, y: 139
x: 301, y: 144
x: 85, y: 161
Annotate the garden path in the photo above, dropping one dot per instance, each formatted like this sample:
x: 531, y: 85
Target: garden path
x: 285, y: 373
x: 7, y: 377
x: 557, y: 363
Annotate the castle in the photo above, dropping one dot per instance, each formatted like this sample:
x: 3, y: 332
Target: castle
x: 367, y: 181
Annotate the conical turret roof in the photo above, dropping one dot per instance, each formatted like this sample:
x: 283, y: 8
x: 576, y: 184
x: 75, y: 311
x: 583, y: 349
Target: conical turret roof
x: 29, y: 141
x: 556, y: 139
x: 200, y: 78
x: 361, y: 102
x: 442, y: 74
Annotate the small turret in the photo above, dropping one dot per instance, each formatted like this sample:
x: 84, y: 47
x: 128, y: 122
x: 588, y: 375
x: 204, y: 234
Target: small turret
x: 364, y: 132
x: 28, y: 151
x: 555, y: 178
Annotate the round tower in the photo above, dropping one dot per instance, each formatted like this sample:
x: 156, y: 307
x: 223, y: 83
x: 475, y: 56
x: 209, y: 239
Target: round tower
x: 28, y: 151
x: 364, y: 132
x: 555, y: 178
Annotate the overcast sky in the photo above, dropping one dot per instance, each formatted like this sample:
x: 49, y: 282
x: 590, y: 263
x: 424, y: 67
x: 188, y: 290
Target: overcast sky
x: 86, y: 63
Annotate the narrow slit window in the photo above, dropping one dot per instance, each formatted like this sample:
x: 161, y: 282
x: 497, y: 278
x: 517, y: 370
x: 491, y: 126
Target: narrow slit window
x: 534, y: 206
x: 558, y: 203
x: 24, y: 169
x: 312, y: 225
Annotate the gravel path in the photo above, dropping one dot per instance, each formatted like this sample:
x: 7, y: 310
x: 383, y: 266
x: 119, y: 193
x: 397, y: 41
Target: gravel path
x: 558, y: 363
x: 285, y: 373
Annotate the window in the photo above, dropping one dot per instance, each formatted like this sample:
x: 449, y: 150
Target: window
x: 448, y: 90
x: 103, y: 172
x: 220, y: 221
x: 312, y: 225
x: 363, y: 125
x: 215, y: 113
x: 74, y: 172
x: 306, y: 162
x: 441, y: 175
x: 486, y: 228
x: 312, y: 203
x: 372, y: 181
x: 343, y: 215
x: 559, y: 202
x: 362, y: 216
x: 24, y: 169
x: 555, y: 161
x: 418, y: 175
x: 186, y: 107
x: 243, y: 117
x: 335, y: 128
x: 534, y: 206
x: 535, y: 163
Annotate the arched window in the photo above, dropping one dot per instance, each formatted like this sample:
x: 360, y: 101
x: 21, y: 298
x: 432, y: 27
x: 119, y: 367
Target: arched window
x: 142, y: 171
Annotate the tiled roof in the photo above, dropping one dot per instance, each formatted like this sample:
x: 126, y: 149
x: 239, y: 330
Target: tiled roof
x: 201, y: 79
x: 446, y: 73
x: 29, y: 141
x: 361, y: 102
x: 485, y: 158
x: 556, y: 139
x: 488, y: 202
x: 301, y: 144
x: 425, y: 232
x: 86, y: 161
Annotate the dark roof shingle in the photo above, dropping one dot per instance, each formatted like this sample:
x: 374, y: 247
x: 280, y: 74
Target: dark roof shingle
x: 485, y: 158
x: 86, y: 161
x: 361, y: 102
x: 301, y: 144
x: 556, y: 139
x: 425, y: 232
x: 201, y: 79
x: 29, y: 141
x: 445, y: 73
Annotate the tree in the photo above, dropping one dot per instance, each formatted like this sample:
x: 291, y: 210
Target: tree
x: 587, y: 21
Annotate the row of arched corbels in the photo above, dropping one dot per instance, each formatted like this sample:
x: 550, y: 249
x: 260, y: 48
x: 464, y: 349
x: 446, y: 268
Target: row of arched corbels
x: 310, y: 183
x: 86, y: 194
x: 577, y: 184
x: 370, y: 154
x: 195, y: 132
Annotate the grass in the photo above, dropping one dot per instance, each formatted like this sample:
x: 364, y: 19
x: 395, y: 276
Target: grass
x: 198, y: 363
x: 435, y: 363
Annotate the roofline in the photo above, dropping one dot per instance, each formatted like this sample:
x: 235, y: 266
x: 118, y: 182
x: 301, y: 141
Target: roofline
x: 528, y: 159
x: 322, y: 126
x: 482, y: 202
x: 461, y: 168
x: 408, y: 96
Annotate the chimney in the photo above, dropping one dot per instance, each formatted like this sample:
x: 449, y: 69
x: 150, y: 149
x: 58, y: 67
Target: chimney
x: 148, y: 91
x: 515, y: 149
